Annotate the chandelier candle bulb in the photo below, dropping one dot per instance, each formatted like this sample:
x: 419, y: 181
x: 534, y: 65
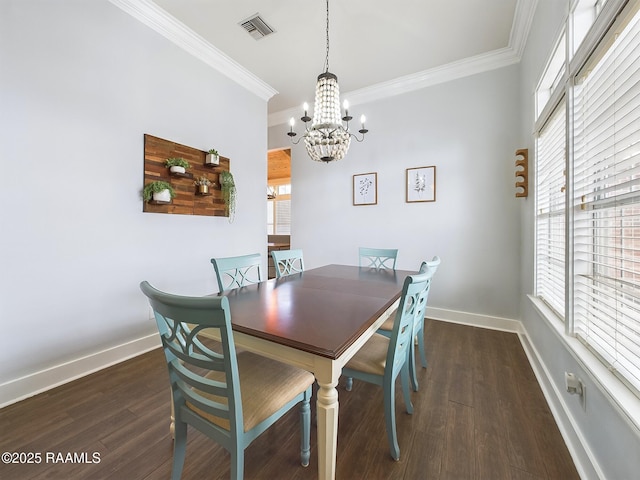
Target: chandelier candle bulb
x: 363, y: 130
x: 346, y: 117
x: 305, y: 118
x: 291, y: 133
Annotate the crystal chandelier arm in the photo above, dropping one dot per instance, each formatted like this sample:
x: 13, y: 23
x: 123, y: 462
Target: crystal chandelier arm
x: 361, y: 131
x: 359, y: 140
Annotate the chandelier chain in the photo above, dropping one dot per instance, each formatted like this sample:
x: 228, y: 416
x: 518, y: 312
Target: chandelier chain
x: 326, y: 60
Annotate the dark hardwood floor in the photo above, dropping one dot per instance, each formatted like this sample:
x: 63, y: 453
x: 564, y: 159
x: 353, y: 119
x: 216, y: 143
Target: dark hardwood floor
x: 479, y: 414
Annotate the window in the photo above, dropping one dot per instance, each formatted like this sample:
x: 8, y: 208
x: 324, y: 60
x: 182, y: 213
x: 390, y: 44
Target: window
x: 583, y: 16
x: 607, y: 197
x: 550, y: 212
x: 553, y: 76
x: 279, y: 210
x: 601, y: 120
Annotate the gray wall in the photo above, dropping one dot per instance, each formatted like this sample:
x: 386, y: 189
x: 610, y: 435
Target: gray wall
x: 79, y: 87
x: 610, y: 445
x: 466, y: 129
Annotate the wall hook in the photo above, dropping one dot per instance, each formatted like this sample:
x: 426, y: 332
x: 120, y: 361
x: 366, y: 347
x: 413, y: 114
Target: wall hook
x: 523, y: 173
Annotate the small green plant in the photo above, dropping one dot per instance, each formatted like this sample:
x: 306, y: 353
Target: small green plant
x: 213, y: 151
x: 156, y: 187
x: 202, y: 181
x: 228, y: 187
x: 176, y: 162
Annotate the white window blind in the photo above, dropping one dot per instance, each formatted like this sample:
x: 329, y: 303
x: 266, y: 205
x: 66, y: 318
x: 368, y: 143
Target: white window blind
x: 607, y: 206
x: 270, y: 217
x: 283, y: 217
x: 550, y: 212
x: 279, y: 210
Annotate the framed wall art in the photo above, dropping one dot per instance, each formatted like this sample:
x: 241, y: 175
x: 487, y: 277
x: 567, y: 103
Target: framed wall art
x: 421, y: 184
x: 365, y: 189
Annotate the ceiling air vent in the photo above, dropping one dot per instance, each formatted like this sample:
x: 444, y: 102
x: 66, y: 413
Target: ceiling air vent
x: 256, y: 27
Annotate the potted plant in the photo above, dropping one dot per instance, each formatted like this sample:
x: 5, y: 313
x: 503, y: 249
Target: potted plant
x: 203, y: 184
x: 228, y: 187
x: 159, y: 191
x: 212, y: 157
x: 176, y: 164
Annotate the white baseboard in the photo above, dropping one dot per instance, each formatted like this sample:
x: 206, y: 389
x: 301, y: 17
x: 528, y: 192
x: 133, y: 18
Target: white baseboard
x: 24, y: 387
x: 474, y: 319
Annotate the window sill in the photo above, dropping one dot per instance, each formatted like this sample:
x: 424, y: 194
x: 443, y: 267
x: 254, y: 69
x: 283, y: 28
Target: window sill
x: 623, y: 400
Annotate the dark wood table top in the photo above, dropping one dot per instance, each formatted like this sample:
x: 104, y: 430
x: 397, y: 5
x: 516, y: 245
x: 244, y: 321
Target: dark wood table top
x: 321, y: 311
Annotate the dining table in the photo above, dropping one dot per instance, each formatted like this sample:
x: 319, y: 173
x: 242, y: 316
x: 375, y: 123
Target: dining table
x: 316, y: 320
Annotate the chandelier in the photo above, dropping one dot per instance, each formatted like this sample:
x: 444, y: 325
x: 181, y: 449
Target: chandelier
x: 328, y: 137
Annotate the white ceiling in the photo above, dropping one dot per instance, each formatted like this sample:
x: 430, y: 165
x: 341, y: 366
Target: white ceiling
x: 372, y: 42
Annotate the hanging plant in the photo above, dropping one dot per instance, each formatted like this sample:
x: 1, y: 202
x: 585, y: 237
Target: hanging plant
x: 228, y: 187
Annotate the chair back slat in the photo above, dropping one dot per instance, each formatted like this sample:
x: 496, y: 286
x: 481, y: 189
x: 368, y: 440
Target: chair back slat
x: 413, y: 303
x: 432, y: 264
x: 379, y: 258
x: 234, y: 272
x: 195, y: 368
x: 287, y: 262
x: 431, y: 267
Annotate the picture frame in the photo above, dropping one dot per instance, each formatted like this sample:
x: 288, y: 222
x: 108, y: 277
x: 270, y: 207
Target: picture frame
x: 421, y: 184
x: 365, y: 189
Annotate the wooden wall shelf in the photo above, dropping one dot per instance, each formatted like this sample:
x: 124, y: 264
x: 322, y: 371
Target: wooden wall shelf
x: 181, y: 175
x: 187, y: 200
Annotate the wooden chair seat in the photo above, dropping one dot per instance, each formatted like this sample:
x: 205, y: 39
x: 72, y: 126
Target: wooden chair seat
x: 387, y: 326
x: 372, y: 357
x: 266, y: 386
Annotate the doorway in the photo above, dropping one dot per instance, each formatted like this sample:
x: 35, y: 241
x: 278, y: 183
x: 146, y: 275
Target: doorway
x: 278, y: 202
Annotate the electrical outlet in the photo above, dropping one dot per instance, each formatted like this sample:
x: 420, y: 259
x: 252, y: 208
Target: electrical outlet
x: 573, y: 383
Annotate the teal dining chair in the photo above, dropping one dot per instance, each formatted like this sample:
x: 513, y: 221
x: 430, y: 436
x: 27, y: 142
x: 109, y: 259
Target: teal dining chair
x: 234, y: 272
x: 231, y: 398
x: 382, y: 359
x: 380, y: 258
x: 418, y: 332
x: 287, y: 262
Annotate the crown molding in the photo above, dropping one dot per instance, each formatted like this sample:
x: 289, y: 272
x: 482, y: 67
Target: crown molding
x: 416, y: 81
x: 522, y: 20
x: 157, y: 19
x: 523, y: 17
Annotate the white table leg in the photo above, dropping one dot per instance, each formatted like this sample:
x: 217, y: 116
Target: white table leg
x: 327, y: 404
